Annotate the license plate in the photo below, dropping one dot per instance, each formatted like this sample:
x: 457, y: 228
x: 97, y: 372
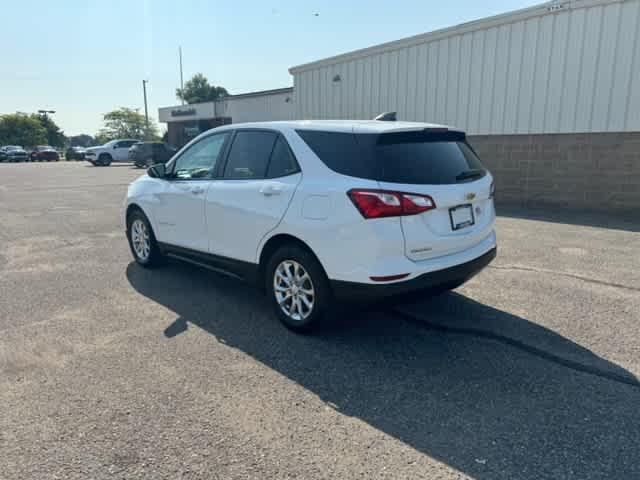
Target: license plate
x: 461, y: 216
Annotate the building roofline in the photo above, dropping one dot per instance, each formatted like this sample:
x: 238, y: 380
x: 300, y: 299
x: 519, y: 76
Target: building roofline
x: 260, y: 93
x: 547, y: 8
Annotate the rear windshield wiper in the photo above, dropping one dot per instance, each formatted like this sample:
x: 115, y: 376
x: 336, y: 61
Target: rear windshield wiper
x: 469, y: 174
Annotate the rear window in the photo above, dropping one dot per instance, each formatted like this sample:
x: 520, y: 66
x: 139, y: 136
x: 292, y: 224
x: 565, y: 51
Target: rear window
x: 434, y: 158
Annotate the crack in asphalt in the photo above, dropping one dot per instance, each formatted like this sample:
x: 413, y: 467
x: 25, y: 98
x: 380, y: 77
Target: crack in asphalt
x: 566, y: 274
x: 512, y: 342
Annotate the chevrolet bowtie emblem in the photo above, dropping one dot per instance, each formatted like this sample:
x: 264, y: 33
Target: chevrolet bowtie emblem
x: 471, y: 196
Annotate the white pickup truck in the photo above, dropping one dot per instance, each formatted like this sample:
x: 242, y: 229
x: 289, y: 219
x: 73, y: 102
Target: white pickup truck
x: 113, y: 151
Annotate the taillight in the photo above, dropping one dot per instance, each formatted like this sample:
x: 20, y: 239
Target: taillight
x: 385, y: 203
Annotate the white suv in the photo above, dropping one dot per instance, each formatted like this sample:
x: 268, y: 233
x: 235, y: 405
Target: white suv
x: 317, y: 210
x: 113, y: 151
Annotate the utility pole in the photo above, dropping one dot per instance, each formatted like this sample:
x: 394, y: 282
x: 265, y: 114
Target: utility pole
x: 181, y: 81
x: 146, y: 112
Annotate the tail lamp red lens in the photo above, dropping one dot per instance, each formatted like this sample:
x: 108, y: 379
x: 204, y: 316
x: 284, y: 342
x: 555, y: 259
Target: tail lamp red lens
x: 386, y: 203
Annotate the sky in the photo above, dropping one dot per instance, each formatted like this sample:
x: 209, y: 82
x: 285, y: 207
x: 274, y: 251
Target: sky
x: 83, y: 58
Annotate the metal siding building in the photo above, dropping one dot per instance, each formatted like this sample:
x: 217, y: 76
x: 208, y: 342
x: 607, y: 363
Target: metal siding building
x: 258, y: 107
x: 184, y: 122
x: 560, y: 67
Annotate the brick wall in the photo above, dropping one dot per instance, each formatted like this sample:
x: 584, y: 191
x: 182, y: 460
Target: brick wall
x: 591, y: 171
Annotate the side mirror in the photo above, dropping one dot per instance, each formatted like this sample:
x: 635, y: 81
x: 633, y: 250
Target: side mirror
x: 115, y: 146
x: 159, y: 170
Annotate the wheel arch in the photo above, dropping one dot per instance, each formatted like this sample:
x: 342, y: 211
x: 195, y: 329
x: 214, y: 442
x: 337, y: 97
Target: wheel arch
x: 274, y: 243
x: 135, y: 207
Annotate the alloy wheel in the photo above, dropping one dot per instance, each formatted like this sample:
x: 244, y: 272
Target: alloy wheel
x: 140, y: 239
x: 294, y: 290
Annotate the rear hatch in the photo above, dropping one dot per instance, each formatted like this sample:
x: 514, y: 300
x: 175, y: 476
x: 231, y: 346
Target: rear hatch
x: 134, y: 150
x: 440, y: 164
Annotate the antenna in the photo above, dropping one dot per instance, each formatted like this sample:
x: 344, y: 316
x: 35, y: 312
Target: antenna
x: 386, y: 117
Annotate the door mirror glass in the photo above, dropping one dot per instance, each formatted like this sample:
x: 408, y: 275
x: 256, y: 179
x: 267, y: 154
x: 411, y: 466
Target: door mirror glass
x: 159, y: 170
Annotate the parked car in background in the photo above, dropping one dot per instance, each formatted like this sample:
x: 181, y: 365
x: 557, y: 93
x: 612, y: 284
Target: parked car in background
x: 317, y: 210
x: 13, y: 153
x: 113, y: 151
x: 44, y: 153
x: 145, y: 154
x: 75, y: 153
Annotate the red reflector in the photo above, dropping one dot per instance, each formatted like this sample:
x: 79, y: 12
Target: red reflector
x: 386, y: 203
x: 389, y: 278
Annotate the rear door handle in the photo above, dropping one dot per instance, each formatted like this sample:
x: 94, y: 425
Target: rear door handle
x: 197, y: 190
x: 271, y: 189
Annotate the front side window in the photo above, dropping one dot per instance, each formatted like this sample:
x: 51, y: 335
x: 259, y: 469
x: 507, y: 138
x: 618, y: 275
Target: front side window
x: 249, y: 155
x: 200, y: 160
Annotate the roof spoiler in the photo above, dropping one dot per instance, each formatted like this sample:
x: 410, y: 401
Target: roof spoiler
x: 386, y: 117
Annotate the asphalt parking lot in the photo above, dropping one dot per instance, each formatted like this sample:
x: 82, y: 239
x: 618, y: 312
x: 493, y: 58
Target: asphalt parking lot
x: 529, y: 371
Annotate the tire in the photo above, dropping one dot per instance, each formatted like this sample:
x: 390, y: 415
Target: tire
x: 148, y: 256
x: 104, y: 159
x: 314, y: 288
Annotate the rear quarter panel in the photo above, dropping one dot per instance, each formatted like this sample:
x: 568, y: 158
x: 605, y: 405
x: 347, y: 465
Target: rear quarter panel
x: 322, y: 215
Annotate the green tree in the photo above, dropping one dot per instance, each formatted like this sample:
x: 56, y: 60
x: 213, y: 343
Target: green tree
x: 55, y: 136
x: 126, y: 123
x: 198, y: 90
x: 21, y: 129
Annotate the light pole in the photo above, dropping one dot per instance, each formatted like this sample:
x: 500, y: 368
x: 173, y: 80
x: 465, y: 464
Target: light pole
x: 146, y: 112
x: 181, y: 82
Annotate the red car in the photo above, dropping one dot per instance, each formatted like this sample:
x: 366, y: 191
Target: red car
x: 44, y: 153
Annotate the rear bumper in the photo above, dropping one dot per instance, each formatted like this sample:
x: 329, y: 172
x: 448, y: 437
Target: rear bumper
x: 359, y: 292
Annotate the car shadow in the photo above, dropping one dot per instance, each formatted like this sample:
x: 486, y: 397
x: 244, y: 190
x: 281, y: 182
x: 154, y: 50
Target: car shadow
x: 482, y: 406
x: 618, y: 221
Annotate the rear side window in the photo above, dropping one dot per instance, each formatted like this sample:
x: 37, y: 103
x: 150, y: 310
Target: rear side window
x: 341, y: 152
x: 282, y: 161
x: 422, y: 157
x: 249, y: 155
